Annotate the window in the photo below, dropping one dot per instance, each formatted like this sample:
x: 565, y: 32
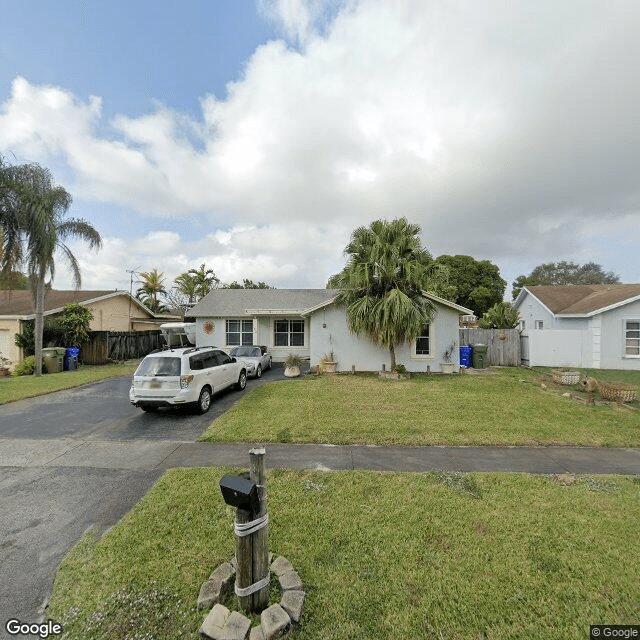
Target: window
x: 632, y: 338
x: 423, y: 343
x: 523, y: 325
x: 539, y: 324
x: 288, y: 333
x: 239, y: 332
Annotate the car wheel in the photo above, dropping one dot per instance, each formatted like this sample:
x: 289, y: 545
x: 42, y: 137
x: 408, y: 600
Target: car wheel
x: 242, y: 381
x: 259, y: 372
x: 204, y: 401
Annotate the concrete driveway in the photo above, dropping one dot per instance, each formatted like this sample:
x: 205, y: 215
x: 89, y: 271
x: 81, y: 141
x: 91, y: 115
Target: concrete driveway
x: 47, y: 508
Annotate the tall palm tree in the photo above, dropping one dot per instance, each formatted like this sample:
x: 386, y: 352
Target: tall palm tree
x: 185, y: 284
x: 152, y: 286
x: 383, y: 283
x: 34, y: 228
x: 204, y: 279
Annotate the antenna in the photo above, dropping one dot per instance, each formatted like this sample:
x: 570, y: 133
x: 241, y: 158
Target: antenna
x: 131, y: 272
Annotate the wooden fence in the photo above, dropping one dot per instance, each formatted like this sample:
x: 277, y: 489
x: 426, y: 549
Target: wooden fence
x: 504, y: 344
x: 112, y: 346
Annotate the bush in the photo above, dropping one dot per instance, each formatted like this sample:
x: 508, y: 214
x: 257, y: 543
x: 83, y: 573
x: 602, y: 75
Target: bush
x: 501, y: 316
x: 25, y: 367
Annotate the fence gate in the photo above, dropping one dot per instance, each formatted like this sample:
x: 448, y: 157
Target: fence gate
x: 524, y: 350
x: 503, y: 344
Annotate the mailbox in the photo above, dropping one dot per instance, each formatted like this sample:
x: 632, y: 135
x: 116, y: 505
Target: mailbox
x: 240, y: 492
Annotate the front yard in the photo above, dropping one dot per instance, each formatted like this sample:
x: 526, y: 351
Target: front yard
x: 511, y: 406
x: 382, y: 556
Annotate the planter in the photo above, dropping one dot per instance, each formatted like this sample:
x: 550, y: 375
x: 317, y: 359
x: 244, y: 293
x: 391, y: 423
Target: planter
x: 4, y: 372
x: 619, y: 391
x: 328, y: 366
x: 565, y: 377
x: 292, y: 372
x: 447, y: 367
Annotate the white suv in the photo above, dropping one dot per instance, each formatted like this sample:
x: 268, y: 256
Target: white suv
x: 177, y: 377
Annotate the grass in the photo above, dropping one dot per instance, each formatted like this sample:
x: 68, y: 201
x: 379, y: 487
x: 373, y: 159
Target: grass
x: 19, y: 388
x: 507, y: 407
x: 385, y: 556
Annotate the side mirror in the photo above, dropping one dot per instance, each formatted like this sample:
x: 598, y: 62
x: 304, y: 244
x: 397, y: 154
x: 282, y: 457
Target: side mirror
x: 233, y: 360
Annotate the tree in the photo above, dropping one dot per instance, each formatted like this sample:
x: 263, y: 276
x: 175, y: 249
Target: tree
x: 32, y: 211
x: 565, y: 273
x: 75, y: 322
x: 501, y: 316
x: 204, y: 280
x: 152, y: 286
x: 474, y: 284
x: 247, y: 284
x: 383, y: 283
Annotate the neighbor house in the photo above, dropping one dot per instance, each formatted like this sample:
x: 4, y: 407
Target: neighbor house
x: 309, y: 323
x: 588, y: 325
x: 112, y: 311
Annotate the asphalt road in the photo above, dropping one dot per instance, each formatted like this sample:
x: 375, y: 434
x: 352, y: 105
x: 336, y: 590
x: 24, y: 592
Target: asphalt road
x: 47, y: 509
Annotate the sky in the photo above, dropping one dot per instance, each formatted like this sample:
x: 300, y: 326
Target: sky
x: 255, y: 135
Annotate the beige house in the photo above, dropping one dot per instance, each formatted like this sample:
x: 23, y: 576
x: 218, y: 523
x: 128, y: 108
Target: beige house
x: 112, y: 311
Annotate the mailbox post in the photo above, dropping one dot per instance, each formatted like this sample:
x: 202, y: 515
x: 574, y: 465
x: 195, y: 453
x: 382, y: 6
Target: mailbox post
x: 249, y: 496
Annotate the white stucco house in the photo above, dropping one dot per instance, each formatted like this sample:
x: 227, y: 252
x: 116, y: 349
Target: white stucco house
x: 309, y: 323
x: 591, y: 326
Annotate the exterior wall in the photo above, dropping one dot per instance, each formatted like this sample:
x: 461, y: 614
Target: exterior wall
x: 113, y: 314
x: 329, y: 332
x: 531, y: 310
x: 263, y: 334
x: 8, y: 347
x: 560, y: 348
x: 612, y: 338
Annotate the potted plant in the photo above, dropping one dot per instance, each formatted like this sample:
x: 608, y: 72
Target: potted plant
x: 292, y: 365
x: 328, y: 363
x: 447, y: 366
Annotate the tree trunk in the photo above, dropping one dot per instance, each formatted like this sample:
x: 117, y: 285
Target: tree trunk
x: 392, y: 352
x: 39, y: 326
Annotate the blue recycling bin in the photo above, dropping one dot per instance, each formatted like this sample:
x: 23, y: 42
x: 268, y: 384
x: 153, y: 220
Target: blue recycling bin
x: 71, y: 359
x: 465, y: 356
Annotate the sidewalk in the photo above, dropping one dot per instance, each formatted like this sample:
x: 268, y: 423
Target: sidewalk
x: 165, y: 454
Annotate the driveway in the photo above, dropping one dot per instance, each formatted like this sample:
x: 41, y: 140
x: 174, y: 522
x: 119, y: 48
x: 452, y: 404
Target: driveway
x: 47, y: 508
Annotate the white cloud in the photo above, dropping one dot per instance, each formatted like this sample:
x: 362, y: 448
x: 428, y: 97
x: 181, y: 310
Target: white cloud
x: 503, y: 129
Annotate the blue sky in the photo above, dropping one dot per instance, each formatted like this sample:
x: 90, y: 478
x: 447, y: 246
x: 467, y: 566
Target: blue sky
x: 255, y: 136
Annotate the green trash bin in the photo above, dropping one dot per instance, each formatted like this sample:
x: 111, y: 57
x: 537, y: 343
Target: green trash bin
x: 53, y: 359
x: 479, y: 356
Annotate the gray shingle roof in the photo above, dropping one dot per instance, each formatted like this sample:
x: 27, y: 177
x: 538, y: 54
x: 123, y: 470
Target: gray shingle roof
x: 249, y: 302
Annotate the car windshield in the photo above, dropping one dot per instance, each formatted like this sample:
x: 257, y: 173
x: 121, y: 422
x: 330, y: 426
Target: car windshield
x: 164, y: 366
x: 245, y: 351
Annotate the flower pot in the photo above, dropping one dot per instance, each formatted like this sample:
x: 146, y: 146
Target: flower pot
x: 292, y: 372
x: 447, y: 367
x: 328, y: 366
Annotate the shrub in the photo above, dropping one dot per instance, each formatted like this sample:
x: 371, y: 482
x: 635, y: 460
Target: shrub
x: 25, y: 367
x: 501, y: 316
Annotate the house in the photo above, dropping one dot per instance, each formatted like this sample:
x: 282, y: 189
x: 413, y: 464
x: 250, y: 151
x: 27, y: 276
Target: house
x: 112, y: 311
x: 309, y: 323
x: 589, y: 325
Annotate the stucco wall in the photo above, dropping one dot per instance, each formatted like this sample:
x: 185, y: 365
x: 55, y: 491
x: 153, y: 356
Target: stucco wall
x: 612, y: 338
x: 329, y: 332
x: 263, y: 334
x: 8, y: 330
x: 113, y: 314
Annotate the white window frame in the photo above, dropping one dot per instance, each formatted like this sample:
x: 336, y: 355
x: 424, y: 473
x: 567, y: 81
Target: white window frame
x: 242, y: 332
x: 625, y: 337
x: 289, y: 333
x: 539, y: 325
x: 414, y: 345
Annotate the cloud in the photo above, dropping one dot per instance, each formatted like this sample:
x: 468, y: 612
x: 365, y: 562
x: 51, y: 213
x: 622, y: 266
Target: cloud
x: 502, y: 129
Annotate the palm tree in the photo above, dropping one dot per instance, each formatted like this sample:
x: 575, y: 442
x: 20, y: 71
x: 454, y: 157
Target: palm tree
x: 152, y: 286
x: 185, y: 284
x: 383, y: 283
x: 34, y: 228
x: 204, y: 280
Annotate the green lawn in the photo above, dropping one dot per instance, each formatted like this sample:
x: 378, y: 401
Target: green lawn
x: 12, y: 389
x: 384, y: 556
x: 507, y: 407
